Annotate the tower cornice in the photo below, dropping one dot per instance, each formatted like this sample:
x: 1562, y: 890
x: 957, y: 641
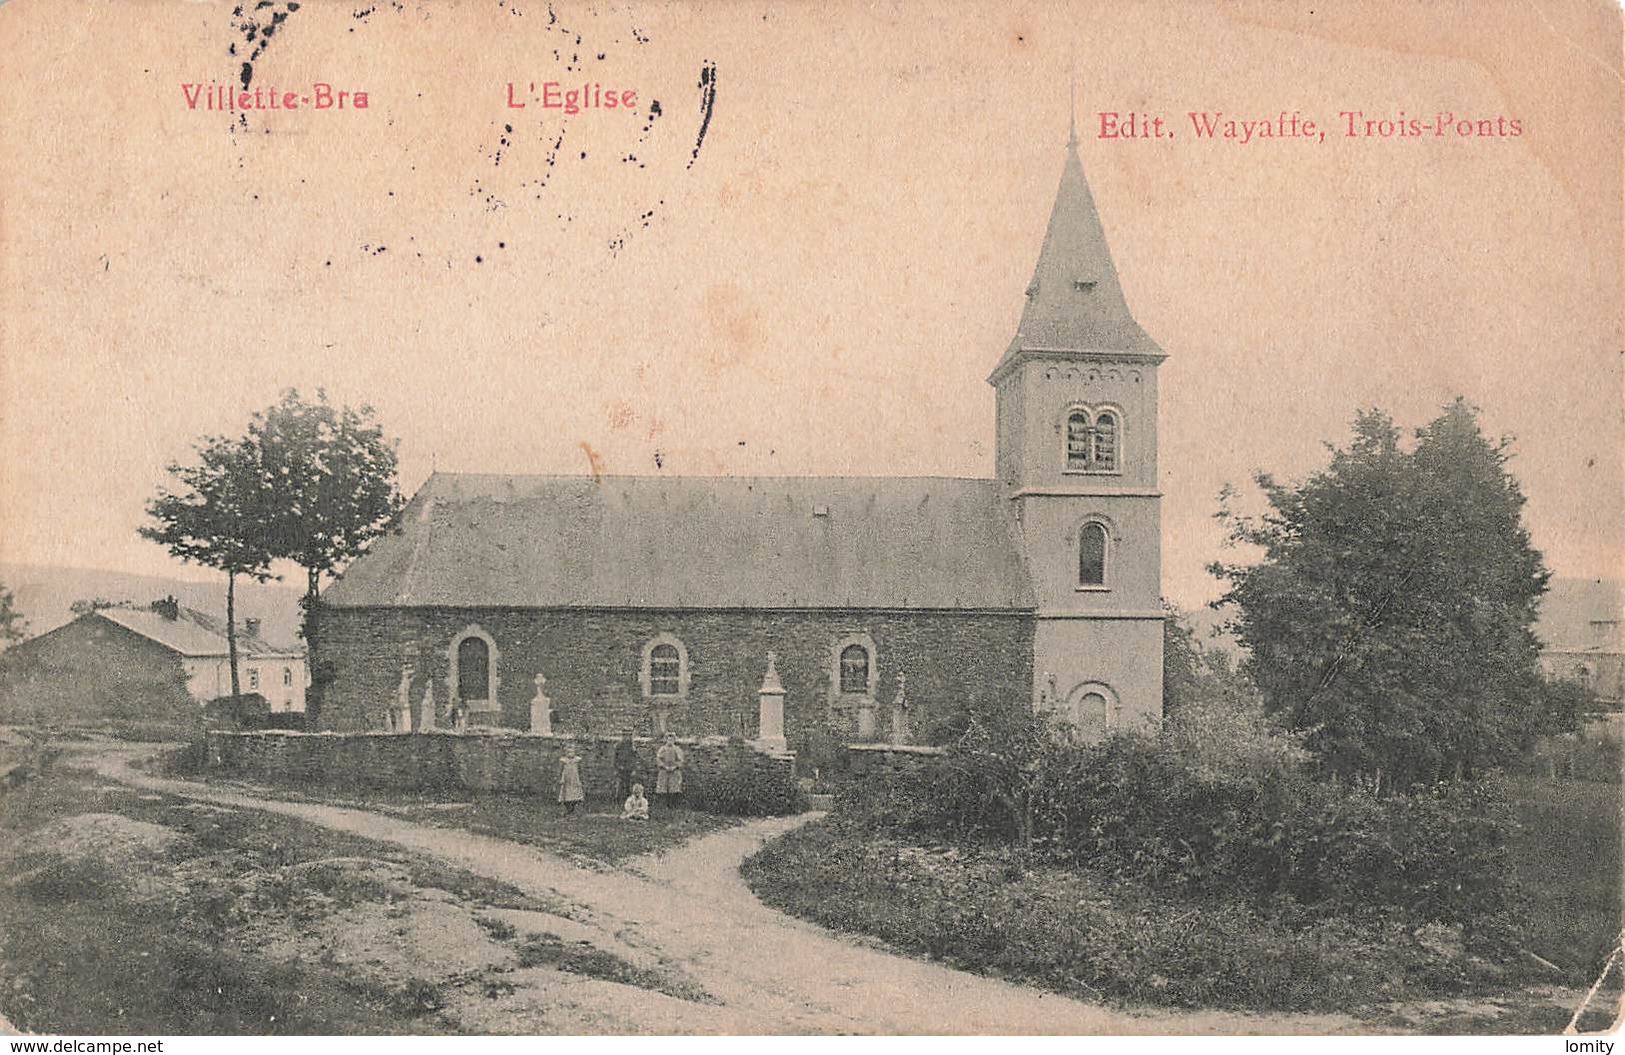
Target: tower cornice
x: 1018, y: 355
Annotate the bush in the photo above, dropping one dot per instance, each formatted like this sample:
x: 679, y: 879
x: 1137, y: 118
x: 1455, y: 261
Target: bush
x: 248, y: 711
x: 1137, y: 810
x: 997, y: 909
x: 743, y: 790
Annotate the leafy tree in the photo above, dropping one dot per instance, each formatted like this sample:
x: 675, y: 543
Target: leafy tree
x: 332, y: 471
x: 13, y: 627
x: 1390, y: 616
x: 216, y: 517
x: 1562, y: 706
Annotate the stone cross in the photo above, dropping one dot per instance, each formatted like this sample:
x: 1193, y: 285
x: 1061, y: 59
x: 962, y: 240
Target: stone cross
x: 541, y: 708
x: 428, y: 717
x: 899, y: 711
x: 401, y: 722
x: 770, y: 708
x: 427, y: 720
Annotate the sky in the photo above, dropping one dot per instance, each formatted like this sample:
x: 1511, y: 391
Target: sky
x: 809, y: 260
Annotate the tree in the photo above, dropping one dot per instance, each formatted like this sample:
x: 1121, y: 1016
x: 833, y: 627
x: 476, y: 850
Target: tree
x: 333, y: 474
x: 1390, y: 617
x: 1196, y: 677
x: 13, y: 627
x: 216, y: 517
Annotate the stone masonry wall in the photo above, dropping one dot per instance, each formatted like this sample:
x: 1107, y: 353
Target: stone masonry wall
x: 593, y: 663
x: 475, y: 761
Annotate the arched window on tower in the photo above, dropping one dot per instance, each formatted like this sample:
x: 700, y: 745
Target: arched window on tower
x: 1077, y: 440
x: 1092, y: 555
x: 1104, y: 458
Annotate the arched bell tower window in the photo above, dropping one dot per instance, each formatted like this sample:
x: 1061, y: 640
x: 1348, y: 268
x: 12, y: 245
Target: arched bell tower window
x: 1094, y: 440
x: 1093, y: 546
x: 1077, y: 440
x: 1104, y: 458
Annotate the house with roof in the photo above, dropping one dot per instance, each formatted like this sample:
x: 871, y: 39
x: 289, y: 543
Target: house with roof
x: 1581, y: 627
x: 126, y: 645
x: 875, y: 604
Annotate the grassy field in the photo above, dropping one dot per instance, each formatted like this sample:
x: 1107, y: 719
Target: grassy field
x: 1568, y: 862
x: 130, y: 912
x: 595, y: 836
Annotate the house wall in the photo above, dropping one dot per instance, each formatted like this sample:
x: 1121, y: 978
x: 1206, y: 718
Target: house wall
x: 281, y: 680
x: 1601, y: 672
x: 593, y: 662
x: 90, y: 669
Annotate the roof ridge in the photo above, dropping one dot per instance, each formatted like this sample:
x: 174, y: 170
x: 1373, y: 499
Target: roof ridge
x: 705, y: 476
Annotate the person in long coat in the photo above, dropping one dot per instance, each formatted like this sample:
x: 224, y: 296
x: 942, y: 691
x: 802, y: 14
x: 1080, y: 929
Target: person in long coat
x: 571, y: 792
x: 626, y: 762
x: 669, y: 771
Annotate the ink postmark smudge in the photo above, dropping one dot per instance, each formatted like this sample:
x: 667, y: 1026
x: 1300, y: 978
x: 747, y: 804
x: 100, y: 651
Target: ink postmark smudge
x: 708, y: 102
x: 257, y: 27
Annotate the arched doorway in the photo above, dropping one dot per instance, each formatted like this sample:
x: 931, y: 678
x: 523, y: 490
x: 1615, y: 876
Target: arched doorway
x: 1091, y: 709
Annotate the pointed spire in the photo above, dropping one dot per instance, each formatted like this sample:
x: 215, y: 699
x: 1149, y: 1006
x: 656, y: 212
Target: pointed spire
x: 1075, y: 302
x: 1072, y: 105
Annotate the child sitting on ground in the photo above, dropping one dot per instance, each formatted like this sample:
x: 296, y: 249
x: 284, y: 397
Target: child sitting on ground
x: 636, y: 807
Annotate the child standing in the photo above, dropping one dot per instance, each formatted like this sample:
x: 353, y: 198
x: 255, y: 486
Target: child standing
x: 669, y: 775
x: 571, y: 793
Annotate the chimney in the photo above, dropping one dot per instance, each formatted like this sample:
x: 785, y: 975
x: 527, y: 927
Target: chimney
x: 251, y: 627
x: 169, y: 608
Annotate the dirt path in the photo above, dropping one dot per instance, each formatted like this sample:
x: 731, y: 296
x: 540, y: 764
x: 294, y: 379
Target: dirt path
x: 770, y: 973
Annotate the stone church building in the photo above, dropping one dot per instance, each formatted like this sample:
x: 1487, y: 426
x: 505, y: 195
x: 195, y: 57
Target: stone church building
x: 652, y: 603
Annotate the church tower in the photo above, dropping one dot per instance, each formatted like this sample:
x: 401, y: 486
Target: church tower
x: 1077, y: 474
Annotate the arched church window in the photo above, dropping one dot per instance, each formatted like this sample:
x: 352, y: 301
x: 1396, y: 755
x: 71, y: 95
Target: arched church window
x: 1077, y: 440
x: 1092, y: 555
x: 473, y: 669
x: 854, y: 669
x: 665, y: 671
x: 1104, y: 455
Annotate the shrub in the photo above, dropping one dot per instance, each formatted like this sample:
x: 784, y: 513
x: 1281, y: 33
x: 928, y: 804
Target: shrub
x: 997, y: 909
x: 743, y: 790
x: 1135, y: 809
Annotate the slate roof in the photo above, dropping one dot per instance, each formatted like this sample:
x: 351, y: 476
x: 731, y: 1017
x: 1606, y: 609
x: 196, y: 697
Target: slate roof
x: 193, y: 634
x: 469, y: 540
x: 1075, y: 302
